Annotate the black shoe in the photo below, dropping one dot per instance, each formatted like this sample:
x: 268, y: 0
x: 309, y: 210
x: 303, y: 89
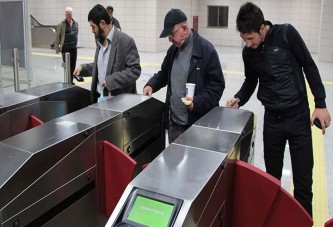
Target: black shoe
x: 78, y: 78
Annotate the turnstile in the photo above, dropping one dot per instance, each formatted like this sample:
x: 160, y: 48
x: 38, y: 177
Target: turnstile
x: 49, y: 174
x: 45, y: 102
x: 187, y: 184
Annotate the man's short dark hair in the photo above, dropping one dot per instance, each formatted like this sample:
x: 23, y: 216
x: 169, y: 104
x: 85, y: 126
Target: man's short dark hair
x: 109, y: 8
x: 98, y: 13
x: 249, y: 18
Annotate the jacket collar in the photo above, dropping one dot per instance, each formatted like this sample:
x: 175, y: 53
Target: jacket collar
x: 196, y: 45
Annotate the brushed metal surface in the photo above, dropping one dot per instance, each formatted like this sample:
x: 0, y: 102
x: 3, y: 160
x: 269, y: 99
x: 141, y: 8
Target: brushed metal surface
x: 97, y: 117
x: 176, y: 165
x: 192, y: 168
x: 45, y: 102
x: 47, y: 135
x: 14, y: 100
x: 47, y: 164
x: 54, y: 198
x: 122, y: 103
x: 208, y: 139
x: 226, y: 119
x: 181, y: 172
x: 11, y: 159
x: 41, y: 149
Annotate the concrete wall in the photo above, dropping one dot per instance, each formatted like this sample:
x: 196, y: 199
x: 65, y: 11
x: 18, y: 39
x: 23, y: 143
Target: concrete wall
x: 143, y: 20
x: 326, y: 35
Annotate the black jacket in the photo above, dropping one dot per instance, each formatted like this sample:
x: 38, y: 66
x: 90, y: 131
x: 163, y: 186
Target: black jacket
x: 278, y: 63
x: 205, y: 71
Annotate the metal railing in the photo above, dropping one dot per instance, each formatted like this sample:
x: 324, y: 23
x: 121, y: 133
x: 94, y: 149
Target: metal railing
x: 67, y: 69
x: 16, y: 62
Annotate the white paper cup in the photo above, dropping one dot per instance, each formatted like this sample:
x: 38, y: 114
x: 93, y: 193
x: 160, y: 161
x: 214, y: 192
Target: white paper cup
x: 190, y: 89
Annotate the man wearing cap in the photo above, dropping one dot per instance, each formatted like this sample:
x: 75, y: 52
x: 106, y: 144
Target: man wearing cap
x: 190, y: 59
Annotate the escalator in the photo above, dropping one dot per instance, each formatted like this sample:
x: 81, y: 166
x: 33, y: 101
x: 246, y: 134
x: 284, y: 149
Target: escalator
x: 46, y: 40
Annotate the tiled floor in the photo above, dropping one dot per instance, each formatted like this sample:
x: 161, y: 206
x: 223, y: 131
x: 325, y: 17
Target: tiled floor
x: 47, y: 68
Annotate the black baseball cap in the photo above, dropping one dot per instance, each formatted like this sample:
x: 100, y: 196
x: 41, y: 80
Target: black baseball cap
x: 173, y: 17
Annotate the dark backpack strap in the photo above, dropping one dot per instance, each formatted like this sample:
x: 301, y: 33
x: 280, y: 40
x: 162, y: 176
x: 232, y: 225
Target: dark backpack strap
x: 299, y: 79
x: 284, y: 33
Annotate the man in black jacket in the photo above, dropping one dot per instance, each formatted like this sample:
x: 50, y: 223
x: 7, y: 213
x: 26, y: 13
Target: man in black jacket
x: 191, y: 59
x: 276, y: 56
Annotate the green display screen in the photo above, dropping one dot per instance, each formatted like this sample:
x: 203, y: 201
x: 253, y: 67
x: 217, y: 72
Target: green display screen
x: 150, y: 212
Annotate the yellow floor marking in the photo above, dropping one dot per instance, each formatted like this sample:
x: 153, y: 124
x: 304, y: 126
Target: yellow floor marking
x: 87, y: 80
x: 233, y: 72
x: 143, y: 64
x: 319, y: 187
x: 59, y: 56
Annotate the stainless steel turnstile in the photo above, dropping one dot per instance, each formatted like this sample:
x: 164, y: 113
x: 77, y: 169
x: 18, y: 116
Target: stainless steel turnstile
x: 187, y: 184
x: 45, y: 102
x: 49, y: 174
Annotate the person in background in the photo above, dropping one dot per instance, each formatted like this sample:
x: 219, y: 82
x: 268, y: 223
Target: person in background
x: 116, y: 65
x: 276, y: 57
x: 66, y: 40
x: 114, y: 21
x: 190, y: 59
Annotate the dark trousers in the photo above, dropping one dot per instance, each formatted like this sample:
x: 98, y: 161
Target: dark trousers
x: 297, y: 131
x: 73, y: 56
x: 175, y: 130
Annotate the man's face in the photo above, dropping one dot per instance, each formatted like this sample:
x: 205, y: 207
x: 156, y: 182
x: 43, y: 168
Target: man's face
x: 110, y: 12
x: 254, y: 39
x: 98, y: 31
x: 178, y: 35
x: 68, y: 16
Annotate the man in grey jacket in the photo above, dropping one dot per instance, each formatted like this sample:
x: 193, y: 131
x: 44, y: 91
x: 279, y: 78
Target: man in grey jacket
x: 116, y: 65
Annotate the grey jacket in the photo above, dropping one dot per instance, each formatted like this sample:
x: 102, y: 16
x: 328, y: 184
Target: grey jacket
x: 123, y: 67
x: 60, y: 35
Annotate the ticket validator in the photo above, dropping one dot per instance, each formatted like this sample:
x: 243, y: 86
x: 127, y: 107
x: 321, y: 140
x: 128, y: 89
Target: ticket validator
x: 188, y: 183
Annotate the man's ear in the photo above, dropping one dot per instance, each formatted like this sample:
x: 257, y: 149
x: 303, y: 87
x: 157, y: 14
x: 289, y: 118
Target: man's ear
x: 186, y: 28
x: 102, y: 24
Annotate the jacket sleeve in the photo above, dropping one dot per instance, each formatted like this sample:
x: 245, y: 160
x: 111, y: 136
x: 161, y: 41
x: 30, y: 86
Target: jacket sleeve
x: 303, y: 56
x: 58, y: 38
x: 87, y: 68
x: 160, y: 79
x: 125, y: 73
x: 213, y: 83
x: 250, y: 82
